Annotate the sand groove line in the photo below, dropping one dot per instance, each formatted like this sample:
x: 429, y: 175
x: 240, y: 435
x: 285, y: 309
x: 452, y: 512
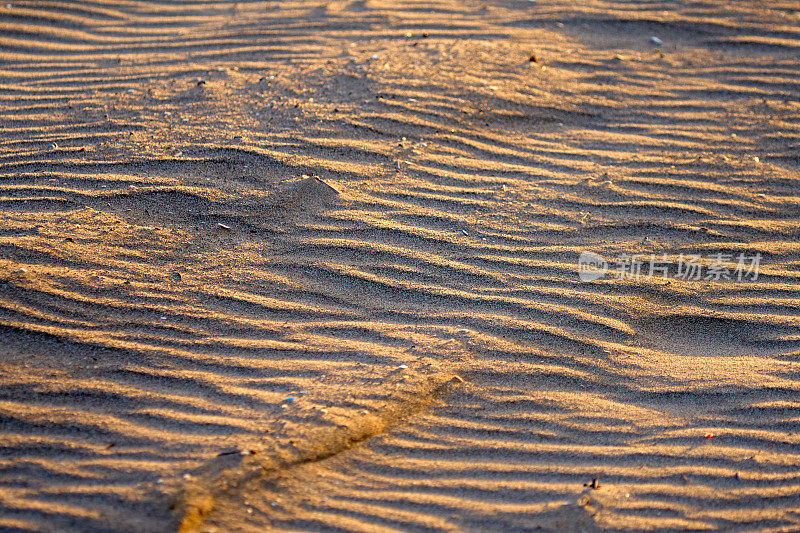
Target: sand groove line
x: 227, y: 474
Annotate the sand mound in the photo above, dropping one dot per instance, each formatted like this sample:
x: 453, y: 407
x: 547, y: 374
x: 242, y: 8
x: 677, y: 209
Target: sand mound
x: 306, y: 193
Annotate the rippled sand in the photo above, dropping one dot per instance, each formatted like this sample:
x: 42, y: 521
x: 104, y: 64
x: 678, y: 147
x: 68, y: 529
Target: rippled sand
x: 305, y: 266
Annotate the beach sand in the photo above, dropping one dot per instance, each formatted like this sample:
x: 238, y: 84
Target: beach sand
x: 314, y: 266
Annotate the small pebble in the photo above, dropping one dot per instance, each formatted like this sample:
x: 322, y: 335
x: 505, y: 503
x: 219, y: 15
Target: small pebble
x: 655, y: 40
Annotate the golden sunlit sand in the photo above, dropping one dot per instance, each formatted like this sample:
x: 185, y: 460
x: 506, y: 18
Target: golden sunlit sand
x: 312, y: 266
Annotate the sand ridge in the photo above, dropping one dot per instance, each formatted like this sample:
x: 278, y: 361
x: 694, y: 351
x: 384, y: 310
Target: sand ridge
x: 228, y: 227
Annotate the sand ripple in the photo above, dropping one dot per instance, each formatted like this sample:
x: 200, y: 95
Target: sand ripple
x: 239, y: 239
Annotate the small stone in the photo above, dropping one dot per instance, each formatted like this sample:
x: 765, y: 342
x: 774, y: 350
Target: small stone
x: 655, y: 40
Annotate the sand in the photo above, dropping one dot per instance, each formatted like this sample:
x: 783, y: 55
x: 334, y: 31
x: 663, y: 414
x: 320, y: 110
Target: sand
x: 313, y: 266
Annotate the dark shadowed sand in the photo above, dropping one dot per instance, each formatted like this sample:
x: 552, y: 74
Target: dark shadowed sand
x: 314, y: 266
